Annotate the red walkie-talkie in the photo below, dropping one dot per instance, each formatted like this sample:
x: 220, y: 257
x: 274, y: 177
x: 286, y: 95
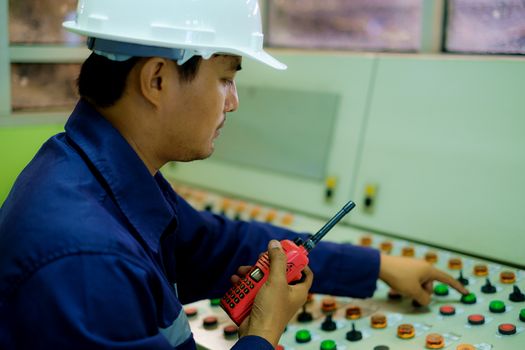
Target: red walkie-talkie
x: 238, y: 301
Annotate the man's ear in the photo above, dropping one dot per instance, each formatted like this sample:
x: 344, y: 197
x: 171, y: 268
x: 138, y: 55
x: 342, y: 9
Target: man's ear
x: 152, y: 79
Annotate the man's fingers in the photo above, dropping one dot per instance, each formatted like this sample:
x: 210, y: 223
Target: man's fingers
x: 422, y: 296
x: 307, y: 283
x: 243, y: 270
x: 277, y: 262
x: 446, y: 278
x: 234, y: 279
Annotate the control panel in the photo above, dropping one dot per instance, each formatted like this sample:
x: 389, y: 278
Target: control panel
x: 492, y: 316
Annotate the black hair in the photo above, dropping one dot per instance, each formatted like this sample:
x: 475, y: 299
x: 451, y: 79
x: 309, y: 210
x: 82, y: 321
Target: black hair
x: 102, y: 81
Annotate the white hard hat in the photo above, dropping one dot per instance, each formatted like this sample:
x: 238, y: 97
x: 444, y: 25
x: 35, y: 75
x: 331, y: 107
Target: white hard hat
x: 176, y: 29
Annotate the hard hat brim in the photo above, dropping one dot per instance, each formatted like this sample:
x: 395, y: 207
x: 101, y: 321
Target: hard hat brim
x: 259, y: 55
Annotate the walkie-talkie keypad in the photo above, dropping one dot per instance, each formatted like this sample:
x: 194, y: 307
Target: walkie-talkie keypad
x: 234, y: 296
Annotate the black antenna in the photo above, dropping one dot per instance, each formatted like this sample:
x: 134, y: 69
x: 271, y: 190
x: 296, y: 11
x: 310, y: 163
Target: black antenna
x: 312, y: 241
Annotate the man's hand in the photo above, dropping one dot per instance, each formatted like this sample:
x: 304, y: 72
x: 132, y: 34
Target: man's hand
x: 277, y: 301
x: 413, y: 277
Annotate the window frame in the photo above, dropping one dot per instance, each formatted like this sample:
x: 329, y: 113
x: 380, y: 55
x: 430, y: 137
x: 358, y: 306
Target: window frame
x: 36, y: 53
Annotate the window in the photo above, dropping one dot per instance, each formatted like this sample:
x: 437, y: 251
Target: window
x: 486, y: 26
x: 42, y: 60
x: 40, y: 22
x: 378, y: 25
x: 43, y: 86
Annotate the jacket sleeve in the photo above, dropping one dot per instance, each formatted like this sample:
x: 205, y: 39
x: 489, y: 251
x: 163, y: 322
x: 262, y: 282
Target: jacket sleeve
x: 209, y: 248
x: 252, y: 342
x: 93, y: 301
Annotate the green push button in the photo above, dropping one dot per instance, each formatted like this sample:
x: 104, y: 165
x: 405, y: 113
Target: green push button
x: 328, y: 345
x: 215, y: 302
x: 522, y: 315
x: 303, y: 336
x: 497, y: 306
x: 468, y: 298
x: 441, y: 290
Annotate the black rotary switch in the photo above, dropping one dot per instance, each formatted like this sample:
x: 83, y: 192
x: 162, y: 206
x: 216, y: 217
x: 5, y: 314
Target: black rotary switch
x: 462, y: 279
x: 304, y: 316
x: 488, y: 288
x: 354, y: 335
x: 328, y: 324
x: 516, y: 296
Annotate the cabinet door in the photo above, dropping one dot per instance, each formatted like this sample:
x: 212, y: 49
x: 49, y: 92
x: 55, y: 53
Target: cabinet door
x: 445, y: 148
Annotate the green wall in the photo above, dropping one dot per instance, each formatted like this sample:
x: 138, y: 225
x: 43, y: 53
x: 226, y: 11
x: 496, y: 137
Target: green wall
x: 18, y: 145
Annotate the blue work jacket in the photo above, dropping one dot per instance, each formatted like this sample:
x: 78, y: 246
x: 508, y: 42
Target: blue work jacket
x: 96, y: 253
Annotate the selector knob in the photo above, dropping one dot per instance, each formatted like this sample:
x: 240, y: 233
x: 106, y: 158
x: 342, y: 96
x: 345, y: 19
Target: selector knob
x: 462, y: 279
x: 328, y: 324
x: 304, y: 316
x: 354, y: 335
x: 516, y: 296
x: 488, y: 288
x: 394, y: 295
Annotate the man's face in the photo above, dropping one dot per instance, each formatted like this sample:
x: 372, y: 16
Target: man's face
x: 195, y: 111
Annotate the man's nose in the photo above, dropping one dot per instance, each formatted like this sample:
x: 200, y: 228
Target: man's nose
x: 232, y: 99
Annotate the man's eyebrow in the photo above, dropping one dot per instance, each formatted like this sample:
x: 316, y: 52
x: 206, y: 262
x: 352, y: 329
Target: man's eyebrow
x: 235, y: 63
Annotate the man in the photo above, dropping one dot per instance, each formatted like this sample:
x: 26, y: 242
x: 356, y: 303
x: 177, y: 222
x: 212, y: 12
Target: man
x: 97, y: 251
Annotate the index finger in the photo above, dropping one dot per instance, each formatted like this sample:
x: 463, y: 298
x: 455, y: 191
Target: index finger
x: 451, y: 281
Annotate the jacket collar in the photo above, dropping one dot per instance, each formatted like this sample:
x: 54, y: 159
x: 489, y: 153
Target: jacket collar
x: 138, y: 194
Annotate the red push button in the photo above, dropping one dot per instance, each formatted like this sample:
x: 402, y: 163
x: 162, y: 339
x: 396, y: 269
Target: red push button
x: 447, y: 310
x: 230, y: 331
x: 507, y: 328
x: 209, y: 322
x: 476, y: 319
x: 190, y: 311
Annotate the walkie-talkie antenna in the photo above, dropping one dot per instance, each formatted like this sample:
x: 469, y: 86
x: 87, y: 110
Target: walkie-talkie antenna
x: 312, y: 241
